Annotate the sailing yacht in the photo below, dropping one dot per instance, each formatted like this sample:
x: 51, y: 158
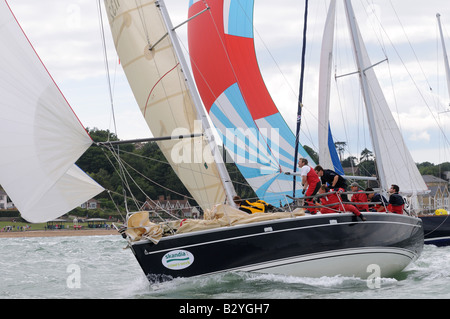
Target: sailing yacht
x: 227, y: 87
x: 437, y: 227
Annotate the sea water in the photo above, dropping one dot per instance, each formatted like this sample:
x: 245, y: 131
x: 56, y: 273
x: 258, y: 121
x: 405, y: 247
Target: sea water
x: 101, y: 267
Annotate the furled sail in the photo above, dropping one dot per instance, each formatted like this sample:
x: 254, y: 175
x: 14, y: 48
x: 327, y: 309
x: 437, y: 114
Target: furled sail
x: 226, y: 71
x: 394, y: 162
x: 327, y: 151
x: 154, y: 71
x: 40, y: 136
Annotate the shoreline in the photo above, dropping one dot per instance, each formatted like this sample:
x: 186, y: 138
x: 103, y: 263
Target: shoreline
x: 58, y: 233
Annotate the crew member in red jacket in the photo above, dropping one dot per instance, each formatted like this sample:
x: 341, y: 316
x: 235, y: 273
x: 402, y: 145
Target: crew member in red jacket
x: 396, y: 202
x: 310, y: 181
x: 334, y: 198
x: 359, y: 197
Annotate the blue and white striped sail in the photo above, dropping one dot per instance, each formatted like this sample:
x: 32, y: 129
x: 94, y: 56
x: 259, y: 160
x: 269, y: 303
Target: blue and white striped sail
x: 233, y: 92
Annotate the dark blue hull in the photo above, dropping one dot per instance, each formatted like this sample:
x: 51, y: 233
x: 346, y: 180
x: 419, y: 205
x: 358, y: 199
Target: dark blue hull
x: 309, y: 246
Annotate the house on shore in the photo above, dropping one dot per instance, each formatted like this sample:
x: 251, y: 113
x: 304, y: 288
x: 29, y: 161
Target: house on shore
x: 168, y: 207
x: 439, y: 194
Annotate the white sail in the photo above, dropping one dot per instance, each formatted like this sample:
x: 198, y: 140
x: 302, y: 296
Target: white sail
x: 155, y: 75
x: 40, y: 136
x: 394, y: 161
x: 326, y: 59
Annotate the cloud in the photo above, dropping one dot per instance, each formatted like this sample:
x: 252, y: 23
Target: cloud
x: 420, y: 137
x: 67, y: 37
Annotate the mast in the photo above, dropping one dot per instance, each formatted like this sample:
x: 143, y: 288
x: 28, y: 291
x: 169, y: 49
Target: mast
x: 358, y: 48
x: 224, y: 176
x: 300, y: 96
x: 447, y: 68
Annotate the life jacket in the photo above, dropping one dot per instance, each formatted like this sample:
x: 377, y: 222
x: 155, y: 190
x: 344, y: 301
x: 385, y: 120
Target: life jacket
x: 396, y: 204
x: 360, y: 197
x: 330, y: 199
x: 253, y: 207
x: 379, y: 198
x: 312, y: 177
x: 395, y: 209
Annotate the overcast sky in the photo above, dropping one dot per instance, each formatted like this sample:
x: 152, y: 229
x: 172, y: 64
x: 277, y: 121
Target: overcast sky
x: 66, y: 34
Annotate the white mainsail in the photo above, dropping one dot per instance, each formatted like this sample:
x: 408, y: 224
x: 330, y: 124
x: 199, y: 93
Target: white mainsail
x: 326, y: 60
x: 394, y: 161
x: 155, y: 74
x: 40, y: 136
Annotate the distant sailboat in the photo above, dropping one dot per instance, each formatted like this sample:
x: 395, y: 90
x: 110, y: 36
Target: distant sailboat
x: 289, y: 243
x: 437, y: 227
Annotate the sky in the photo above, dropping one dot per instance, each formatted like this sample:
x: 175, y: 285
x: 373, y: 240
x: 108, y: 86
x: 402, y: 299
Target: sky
x: 68, y: 38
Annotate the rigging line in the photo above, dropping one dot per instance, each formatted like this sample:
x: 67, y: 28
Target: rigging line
x: 122, y: 176
x: 275, y: 160
x: 247, y: 147
x: 182, y: 85
x: 145, y: 177
x: 343, y: 120
x: 259, y: 135
x: 117, y: 207
x: 309, y: 135
x: 154, y: 182
x: 420, y: 92
x: 105, y: 56
x: 300, y: 96
x: 136, y: 202
x: 139, y: 207
x: 370, y: 14
x: 398, y: 114
x: 142, y: 18
x: 405, y: 149
x: 144, y: 193
x: 167, y: 163
x: 409, y: 42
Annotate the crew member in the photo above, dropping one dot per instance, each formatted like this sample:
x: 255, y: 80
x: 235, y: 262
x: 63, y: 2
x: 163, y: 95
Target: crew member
x: 359, y: 197
x: 333, y: 179
x: 334, y: 198
x: 377, y: 198
x: 310, y: 181
x: 396, y: 202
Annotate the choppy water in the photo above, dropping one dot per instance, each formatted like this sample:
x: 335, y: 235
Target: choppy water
x: 99, y: 267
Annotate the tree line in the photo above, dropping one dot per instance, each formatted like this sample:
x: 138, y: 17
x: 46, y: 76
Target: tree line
x: 147, y: 166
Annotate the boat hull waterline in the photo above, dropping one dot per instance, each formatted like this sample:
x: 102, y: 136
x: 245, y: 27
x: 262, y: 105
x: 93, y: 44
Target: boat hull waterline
x: 308, y: 246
